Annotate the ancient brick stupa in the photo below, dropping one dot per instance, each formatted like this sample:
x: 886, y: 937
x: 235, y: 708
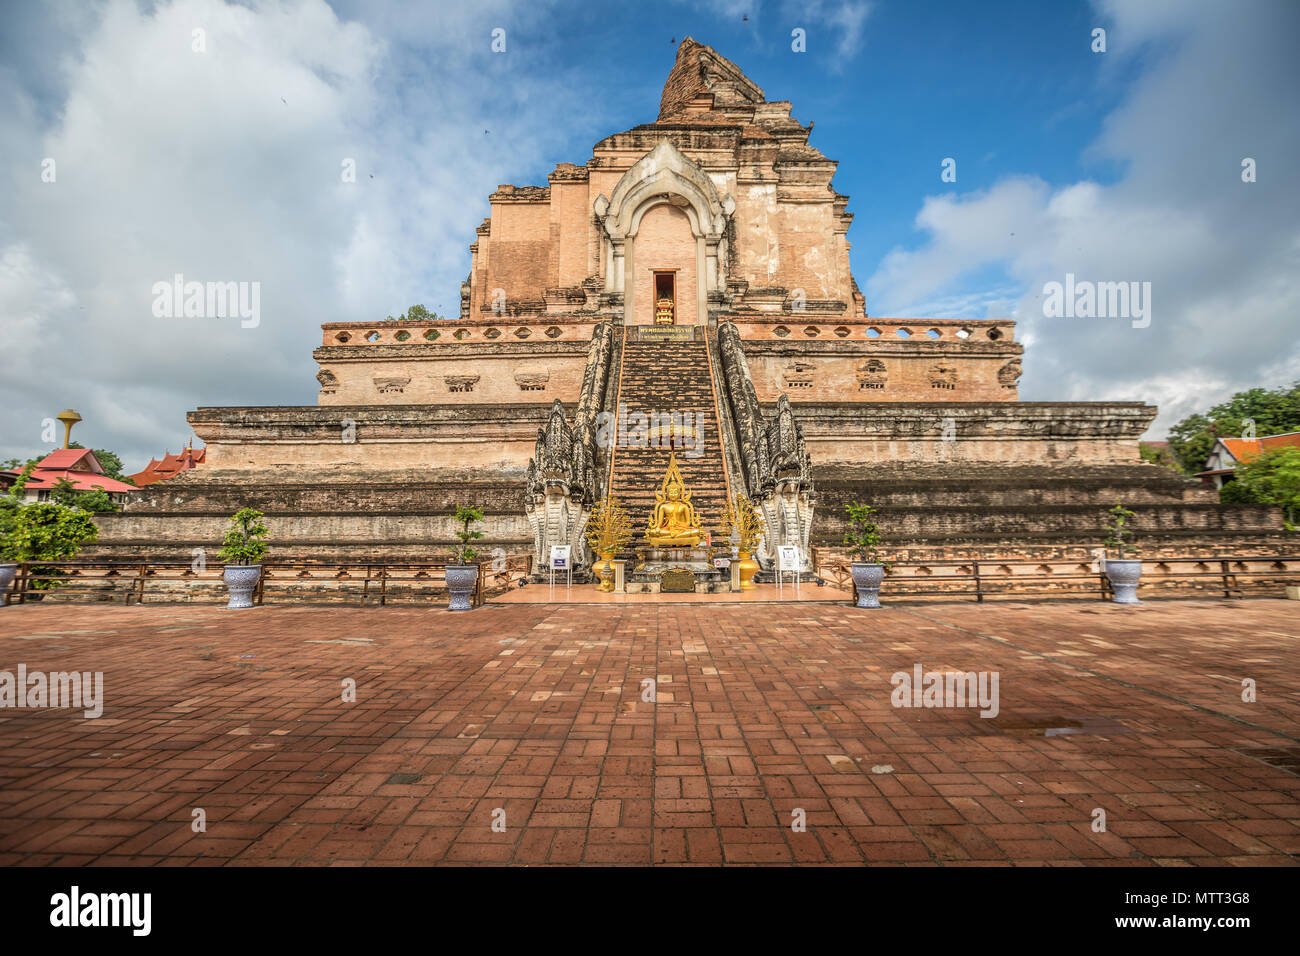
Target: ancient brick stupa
x: 687, y: 287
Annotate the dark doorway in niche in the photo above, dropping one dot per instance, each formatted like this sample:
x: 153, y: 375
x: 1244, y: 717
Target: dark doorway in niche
x: 665, y: 298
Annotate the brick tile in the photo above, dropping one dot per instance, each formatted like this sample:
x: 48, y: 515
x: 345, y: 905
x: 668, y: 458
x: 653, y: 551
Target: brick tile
x: 709, y: 775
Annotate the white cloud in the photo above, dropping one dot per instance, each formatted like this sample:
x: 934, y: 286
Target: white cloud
x: 224, y: 165
x: 1222, y: 255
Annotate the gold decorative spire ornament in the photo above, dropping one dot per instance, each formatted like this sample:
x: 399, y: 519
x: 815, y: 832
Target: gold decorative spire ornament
x: 608, y: 532
x: 744, y: 526
x: 674, y: 524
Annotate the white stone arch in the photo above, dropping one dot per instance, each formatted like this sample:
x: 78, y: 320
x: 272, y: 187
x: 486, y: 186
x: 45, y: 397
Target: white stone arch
x: 664, y: 175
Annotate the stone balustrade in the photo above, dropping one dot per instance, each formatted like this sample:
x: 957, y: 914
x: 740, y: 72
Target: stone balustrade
x: 949, y: 332
x: 502, y: 329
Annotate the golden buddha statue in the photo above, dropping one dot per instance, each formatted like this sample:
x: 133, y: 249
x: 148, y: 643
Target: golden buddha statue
x: 674, y: 524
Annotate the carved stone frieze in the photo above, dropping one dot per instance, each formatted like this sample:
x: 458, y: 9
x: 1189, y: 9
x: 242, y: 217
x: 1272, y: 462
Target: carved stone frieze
x: 391, y: 386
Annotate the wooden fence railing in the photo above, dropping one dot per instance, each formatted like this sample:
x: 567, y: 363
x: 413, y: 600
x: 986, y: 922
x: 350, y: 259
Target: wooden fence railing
x: 1232, y: 576
x: 361, y: 583
x: 416, y: 582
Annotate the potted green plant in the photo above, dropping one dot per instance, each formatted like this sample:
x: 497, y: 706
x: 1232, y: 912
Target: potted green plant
x: 862, y: 540
x: 242, y: 550
x: 1122, y: 571
x: 461, y: 574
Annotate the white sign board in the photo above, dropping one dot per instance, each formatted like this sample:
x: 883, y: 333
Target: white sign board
x: 787, y: 559
x: 560, y: 562
x: 723, y: 563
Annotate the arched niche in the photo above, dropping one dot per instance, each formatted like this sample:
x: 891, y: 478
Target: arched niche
x: 664, y: 176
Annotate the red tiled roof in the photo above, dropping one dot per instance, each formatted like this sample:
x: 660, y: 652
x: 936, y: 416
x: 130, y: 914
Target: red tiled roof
x: 1241, y: 449
x: 46, y: 478
x: 61, y: 464
x: 1290, y: 439
x: 1244, y: 449
x: 66, y: 458
x: 169, y: 466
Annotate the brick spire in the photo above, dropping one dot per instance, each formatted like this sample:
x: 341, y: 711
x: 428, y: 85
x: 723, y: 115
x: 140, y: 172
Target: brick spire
x: 705, y: 79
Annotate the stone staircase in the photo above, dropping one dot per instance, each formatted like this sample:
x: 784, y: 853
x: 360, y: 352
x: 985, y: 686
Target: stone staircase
x: 662, y: 377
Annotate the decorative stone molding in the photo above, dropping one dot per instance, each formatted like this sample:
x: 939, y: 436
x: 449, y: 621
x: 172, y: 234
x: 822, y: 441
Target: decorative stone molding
x: 1009, y: 374
x: 773, y: 454
x: 391, y: 386
x: 328, y: 381
x: 664, y: 175
x: 872, y: 374
x: 943, y: 376
x: 532, y: 381
x: 460, y: 383
x: 798, y: 375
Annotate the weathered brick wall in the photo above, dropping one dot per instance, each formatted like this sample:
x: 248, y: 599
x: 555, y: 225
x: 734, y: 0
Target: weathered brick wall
x: 966, y: 510
x: 925, y: 513
x: 665, y: 242
x: 469, y: 376
x: 334, y: 444
x: 571, y: 216
x: 968, y: 433
x: 398, y: 515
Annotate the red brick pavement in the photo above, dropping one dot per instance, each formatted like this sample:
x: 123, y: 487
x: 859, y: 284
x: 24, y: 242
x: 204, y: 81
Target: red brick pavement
x: 536, y: 711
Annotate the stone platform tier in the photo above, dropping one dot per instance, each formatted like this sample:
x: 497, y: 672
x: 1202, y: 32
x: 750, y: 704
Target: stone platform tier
x: 928, y: 511
x: 331, y: 515
x: 965, y: 509
x: 660, y: 377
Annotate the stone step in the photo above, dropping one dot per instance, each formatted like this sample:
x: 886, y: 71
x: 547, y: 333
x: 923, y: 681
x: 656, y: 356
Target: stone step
x: 669, y: 377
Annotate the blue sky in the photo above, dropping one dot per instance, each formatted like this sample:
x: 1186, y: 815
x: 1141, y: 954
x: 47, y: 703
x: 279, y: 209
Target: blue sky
x: 224, y: 164
x: 1014, y: 92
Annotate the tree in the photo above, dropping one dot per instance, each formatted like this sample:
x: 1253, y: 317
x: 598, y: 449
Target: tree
x: 1273, y: 412
x: 96, y: 500
x: 112, y: 465
x: 1119, y: 535
x: 48, y: 532
x: 9, y: 508
x: 1271, y: 478
x: 23, y: 478
x: 1158, y: 456
x: 417, y: 313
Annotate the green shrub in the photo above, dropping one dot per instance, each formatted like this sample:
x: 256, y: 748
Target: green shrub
x: 465, y: 517
x: 245, y: 541
x: 47, y: 531
x: 863, y: 536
